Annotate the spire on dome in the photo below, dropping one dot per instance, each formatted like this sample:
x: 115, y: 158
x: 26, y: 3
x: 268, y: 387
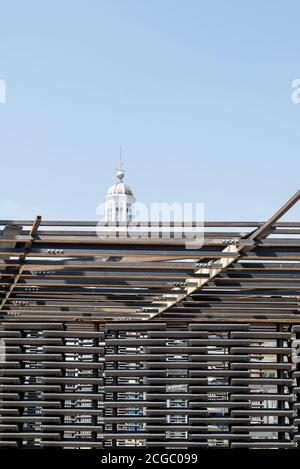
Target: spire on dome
x: 120, y: 170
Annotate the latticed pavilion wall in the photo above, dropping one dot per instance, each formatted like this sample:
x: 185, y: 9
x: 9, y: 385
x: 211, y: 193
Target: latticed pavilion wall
x: 149, y: 384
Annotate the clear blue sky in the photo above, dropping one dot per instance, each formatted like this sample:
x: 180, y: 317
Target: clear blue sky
x: 196, y: 92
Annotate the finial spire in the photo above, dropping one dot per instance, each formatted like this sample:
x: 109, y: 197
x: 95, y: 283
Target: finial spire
x: 120, y: 171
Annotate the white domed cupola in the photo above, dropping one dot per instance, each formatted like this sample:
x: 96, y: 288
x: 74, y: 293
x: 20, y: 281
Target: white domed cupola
x: 119, y: 200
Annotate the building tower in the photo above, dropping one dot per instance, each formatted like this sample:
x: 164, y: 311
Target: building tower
x: 119, y: 200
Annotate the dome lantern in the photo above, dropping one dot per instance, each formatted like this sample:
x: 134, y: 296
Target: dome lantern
x: 119, y: 199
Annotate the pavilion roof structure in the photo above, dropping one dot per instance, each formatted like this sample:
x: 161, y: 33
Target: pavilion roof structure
x: 247, y: 271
